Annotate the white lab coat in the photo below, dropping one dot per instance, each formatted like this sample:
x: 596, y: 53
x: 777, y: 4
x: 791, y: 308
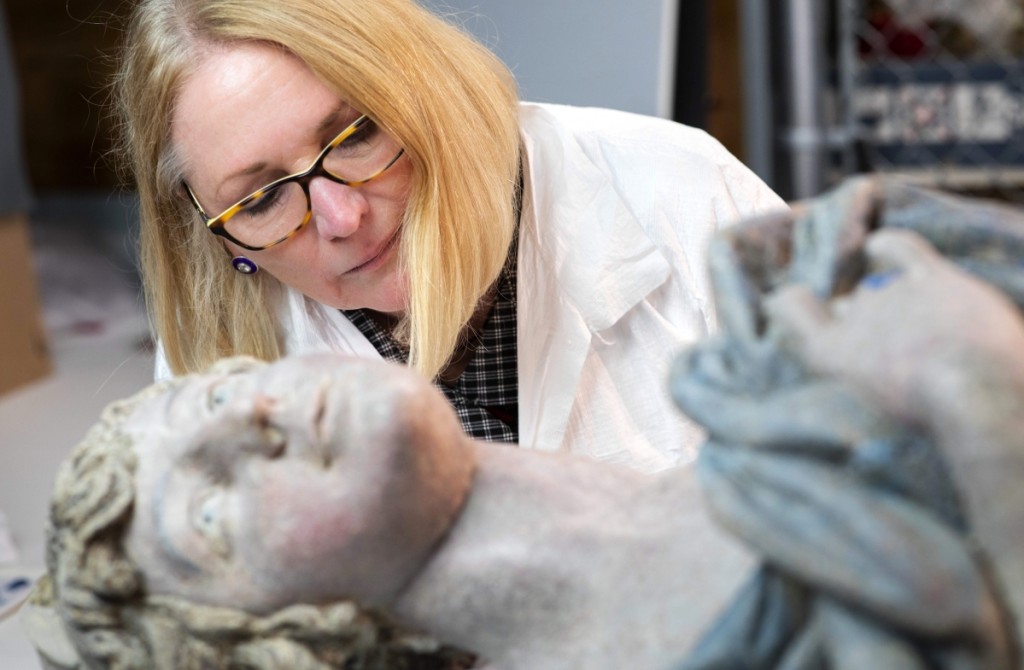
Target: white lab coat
x: 618, y: 211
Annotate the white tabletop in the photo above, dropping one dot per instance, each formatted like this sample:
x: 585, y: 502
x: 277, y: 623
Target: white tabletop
x: 39, y: 424
x: 15, y: 650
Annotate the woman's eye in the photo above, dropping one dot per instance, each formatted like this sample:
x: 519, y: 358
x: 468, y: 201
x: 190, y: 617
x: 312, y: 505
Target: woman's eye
x: 268, y: 201
x: 365, y: 132
x: 208, y: 521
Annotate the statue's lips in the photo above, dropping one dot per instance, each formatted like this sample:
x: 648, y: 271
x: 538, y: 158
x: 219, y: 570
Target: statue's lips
x: 322, y: 423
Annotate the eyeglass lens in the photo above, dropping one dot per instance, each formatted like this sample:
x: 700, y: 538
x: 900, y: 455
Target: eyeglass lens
x: 279, y: 210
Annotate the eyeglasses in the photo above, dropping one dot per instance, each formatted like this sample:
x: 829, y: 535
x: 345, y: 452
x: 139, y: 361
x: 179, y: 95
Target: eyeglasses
x: 270, y: 215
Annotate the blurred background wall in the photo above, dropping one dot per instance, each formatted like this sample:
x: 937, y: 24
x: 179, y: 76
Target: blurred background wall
x: 604, y: 53
x: 62, y: 52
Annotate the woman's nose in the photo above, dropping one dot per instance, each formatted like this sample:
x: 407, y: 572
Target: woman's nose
x: 338, y: 210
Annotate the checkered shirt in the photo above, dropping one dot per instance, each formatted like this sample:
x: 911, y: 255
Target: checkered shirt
x: 486, y: 394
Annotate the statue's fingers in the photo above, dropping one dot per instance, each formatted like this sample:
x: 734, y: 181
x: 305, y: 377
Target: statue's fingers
x: 821, y: 417
x: 1007, y: 277
x: 744, y: 261
x: 826, y: 528
x: 801, y: 321
x: 956, y: 226
x: 797, y: 310
x: 735, y: 294
x: 804, y: 650
x: 828, y: 237
x: 853, y: 642
x: 902, y: 250
x: 757, y: 628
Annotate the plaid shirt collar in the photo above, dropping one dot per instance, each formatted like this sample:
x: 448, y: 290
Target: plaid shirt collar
x: 486, y: 394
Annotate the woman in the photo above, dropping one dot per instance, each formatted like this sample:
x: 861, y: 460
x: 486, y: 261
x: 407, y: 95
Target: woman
x: 526, y: 257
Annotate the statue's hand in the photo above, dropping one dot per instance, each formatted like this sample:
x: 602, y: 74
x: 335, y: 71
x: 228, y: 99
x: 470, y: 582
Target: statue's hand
x: 942, y: 349
x: 914, y: 335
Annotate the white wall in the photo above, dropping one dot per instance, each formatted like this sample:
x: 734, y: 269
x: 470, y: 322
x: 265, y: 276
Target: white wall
x: 606, y: 53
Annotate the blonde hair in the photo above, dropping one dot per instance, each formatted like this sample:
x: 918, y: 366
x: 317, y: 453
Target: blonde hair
x: 445, y: 98
x: 98, y: 597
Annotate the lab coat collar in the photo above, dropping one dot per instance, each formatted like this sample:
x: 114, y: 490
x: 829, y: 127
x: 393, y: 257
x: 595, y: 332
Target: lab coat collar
x: 584, y: 262
x: 602, y: 259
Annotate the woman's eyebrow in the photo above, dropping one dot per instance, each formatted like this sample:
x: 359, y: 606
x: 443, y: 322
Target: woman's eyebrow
x: 327, y: 123
x: 330, y: 119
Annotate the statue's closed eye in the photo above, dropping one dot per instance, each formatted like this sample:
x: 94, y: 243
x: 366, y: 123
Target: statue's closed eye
x: 208, y: 520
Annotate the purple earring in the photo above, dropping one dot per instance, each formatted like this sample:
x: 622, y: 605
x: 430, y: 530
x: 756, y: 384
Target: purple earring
x: 244, y: 265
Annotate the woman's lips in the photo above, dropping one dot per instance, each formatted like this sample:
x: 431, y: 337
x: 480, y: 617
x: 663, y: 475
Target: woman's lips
x: 374, y: 261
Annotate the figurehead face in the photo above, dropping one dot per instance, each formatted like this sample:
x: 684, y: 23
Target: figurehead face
x: 310, y: 480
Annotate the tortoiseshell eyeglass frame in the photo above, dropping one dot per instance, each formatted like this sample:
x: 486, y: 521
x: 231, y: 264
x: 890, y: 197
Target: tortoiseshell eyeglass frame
x: 216, y: 224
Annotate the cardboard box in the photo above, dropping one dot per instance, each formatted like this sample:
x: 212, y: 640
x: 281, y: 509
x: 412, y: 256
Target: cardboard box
x: 24, y: 353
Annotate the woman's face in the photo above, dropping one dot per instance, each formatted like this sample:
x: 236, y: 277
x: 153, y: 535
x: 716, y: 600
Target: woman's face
x: 311, y: 480
x: 251, y: 113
